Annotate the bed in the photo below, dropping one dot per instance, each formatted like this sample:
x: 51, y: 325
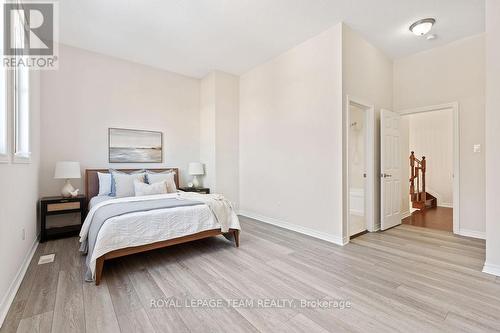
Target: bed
x: 119, y: 227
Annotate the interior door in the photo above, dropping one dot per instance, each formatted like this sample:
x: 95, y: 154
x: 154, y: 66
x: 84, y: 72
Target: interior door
x: 390, y: 167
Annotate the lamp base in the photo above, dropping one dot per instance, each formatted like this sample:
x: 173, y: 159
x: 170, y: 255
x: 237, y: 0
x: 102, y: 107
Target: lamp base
x: 67, y: 189
x: 196, y: 182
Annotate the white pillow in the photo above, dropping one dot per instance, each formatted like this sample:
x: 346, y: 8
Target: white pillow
x: 147, y: 189
x: 104, y: 183
x: 124, y: 183
x: 168, y: 177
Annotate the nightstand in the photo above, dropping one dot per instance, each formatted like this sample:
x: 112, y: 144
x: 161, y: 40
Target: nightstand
x: 203, y: 190
x: 57, y: 206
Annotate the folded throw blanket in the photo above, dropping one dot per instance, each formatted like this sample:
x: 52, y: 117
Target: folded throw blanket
x: 218, y: 204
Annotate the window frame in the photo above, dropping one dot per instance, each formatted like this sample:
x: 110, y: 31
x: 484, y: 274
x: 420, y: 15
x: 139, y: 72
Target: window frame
x: 20, y: 155
x: 5, y: 119
x: 4, y: 123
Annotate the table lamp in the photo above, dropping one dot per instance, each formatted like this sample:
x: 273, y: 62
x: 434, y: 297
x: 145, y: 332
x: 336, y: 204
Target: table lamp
x: 67, y: 170
x: 195, y: 170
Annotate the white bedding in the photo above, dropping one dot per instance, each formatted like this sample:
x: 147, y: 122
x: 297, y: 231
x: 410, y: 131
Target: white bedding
x: 141, y: 228
x: 100, y: 198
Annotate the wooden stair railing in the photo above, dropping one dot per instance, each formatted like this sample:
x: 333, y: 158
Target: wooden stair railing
x: 420, y: 199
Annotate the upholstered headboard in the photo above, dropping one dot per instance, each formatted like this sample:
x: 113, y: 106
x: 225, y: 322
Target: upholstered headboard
x: 92, y: 180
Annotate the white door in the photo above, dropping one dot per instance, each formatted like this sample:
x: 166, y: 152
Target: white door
x: 390, y: 167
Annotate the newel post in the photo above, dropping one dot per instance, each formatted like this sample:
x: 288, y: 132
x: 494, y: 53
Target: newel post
x: 424, y: 162
x: 412, y: 173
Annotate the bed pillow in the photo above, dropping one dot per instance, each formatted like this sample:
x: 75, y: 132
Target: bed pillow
x: 141, y: 188
x: 104, y: 183
x: 167, y: 176
x: 122, y: 184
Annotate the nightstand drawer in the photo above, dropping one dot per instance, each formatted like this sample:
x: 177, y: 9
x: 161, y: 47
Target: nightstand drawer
x: 57, y: 207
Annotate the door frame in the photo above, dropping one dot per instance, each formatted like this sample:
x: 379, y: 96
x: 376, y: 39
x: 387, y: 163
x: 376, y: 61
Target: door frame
x: 455, y: 107
x: 370, y: 144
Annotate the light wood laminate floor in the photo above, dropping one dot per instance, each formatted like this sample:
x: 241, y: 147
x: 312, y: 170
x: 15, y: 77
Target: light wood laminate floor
x: 407, y: 279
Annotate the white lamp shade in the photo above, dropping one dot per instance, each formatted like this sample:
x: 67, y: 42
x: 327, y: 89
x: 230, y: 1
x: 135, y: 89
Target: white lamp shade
x: 196, y: 168
x: 67, y: 170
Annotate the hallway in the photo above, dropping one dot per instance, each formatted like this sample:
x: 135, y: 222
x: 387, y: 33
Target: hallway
x: 439, y: 218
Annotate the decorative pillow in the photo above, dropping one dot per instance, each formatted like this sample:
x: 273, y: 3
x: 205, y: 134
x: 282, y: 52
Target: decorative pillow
x: 104, y: 183
x: 122, y: 184
x: 167, y: 176
x: 147, y: 189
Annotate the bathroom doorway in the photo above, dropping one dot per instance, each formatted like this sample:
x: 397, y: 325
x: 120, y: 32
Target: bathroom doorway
x: 360, y: 167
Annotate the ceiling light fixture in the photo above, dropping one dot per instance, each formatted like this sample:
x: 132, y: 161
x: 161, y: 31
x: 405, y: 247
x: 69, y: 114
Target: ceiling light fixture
x: 422, y: 27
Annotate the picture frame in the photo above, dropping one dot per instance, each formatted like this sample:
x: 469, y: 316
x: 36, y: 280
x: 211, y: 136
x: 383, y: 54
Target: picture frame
x: 134, y: 146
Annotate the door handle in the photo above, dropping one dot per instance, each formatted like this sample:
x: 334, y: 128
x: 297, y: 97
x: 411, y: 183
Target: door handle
x: 385, y: 175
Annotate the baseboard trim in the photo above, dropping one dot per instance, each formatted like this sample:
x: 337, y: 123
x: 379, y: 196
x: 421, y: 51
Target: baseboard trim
x: 300, y: 229
x: 491, y: 269
x: 472, y: 233
x: 445, y: 205
x: 14, y: 286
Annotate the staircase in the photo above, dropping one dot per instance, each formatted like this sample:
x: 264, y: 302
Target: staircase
x: 420, y: 199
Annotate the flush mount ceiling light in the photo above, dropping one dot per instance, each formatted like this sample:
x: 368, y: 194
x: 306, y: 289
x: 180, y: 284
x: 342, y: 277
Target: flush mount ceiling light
x: 422, y: 27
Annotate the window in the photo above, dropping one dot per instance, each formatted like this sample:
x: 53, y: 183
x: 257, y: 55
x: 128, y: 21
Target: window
x: 22, y: 113
x: 14, y: 87
x: 4, y: 153
x: 3, y: 116
x: 21, y: 101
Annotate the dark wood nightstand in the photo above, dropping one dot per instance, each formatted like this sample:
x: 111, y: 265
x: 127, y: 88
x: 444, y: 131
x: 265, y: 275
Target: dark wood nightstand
x: 56, y: 206
x: 203, y: 190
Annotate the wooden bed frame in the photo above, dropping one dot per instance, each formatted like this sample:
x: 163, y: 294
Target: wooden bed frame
x: 92, y: 189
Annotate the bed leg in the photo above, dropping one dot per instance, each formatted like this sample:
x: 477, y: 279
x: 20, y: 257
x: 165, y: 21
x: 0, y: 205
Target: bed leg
x: 98, y: 270
x: 236, y: 234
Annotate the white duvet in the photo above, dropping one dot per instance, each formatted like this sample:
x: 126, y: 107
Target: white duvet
x: 141, y: 228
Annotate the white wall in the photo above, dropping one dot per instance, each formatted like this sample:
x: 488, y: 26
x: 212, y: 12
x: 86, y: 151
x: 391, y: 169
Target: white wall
x: 492, y: 264
x: 227, y: 135
x: 207, y: 130
x: 219, y: 133
x: 454, y: 72
x: 18, y: 207
x: 291, y: 138
x: 404, y: 126
x: 431, y: 135
x: 367, y: 74
x: 92, y: 92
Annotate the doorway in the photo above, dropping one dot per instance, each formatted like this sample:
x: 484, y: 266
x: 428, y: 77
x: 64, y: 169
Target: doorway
x: 360, y: 133
x: 430, y: 160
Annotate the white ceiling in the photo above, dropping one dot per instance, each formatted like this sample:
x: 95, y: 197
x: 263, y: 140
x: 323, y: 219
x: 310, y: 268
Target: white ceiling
x: 192, y: 37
